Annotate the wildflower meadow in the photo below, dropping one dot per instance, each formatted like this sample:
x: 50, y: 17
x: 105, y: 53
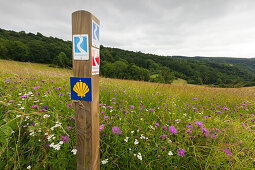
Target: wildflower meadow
x: 143, y: 125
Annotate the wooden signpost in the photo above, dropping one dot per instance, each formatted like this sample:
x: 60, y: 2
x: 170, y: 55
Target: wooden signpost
x: 85, y: 88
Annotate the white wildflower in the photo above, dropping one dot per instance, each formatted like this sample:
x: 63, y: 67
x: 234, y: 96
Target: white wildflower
x: 22, y: 108
x: 136, y: 142
x: 18, y: 116
x: 104, y: 161
x: 142, y: 137
x: 170, y: 153
x: 151, y: 127
x: 132, y: 131
x: 74, y: 151
x: 126, y: 140
x: 29, y: 167
x: 32, y: 134
x: 46, y: 116
x: 139, y: 156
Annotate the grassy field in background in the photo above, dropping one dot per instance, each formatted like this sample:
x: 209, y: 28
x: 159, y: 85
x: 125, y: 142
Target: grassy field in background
x: 143, y: 125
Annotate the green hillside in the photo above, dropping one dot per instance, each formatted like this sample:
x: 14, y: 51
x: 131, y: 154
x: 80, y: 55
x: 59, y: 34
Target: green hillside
x: 123, y: 64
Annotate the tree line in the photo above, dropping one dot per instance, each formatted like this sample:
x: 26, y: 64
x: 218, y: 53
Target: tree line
x: 123, y: 64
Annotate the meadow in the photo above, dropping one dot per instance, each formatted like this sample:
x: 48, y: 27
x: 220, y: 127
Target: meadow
x: 143, y: 125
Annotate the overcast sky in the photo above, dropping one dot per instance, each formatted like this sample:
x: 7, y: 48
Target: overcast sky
x: 164, y: 27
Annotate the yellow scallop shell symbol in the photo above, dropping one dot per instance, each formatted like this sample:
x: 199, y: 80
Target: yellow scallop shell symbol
x: 81, y: 89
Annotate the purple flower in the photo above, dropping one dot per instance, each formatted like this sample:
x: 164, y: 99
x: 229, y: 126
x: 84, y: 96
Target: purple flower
x: 190, y: 127
x: 24, y: 96
x: 243, y: 124
x: 227, y: 152
x: 69, y: 105
x: 152, y: 110
x: 11, y: 101
x: 105, y: 117
x: 172, y: 130
x: 163, y: 148
x: 142, y: 107
x: 204, y: 130
x: 199, y: 124
x: 206, y: 117
x: 101, y: 127
x: 132, y: 107
x: 36, y: 87
x: 69, y: 127
x: 65, y: 139
x: 206, y: 135
x: 161, y: 136
x: 214, y: 136
x: 35, y: 106
x: 219, y: 111
x: 52, y: 81
x: 116, y: 130
x: 163, y: 127
x: 59, y: 88
x: 157, y: 124
x: 188, y: 131
x: 45, y: 107
x: 42, y: 110
x: 181, y: 152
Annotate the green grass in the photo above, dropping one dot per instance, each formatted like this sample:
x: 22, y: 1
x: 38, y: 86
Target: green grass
x: 35, y: 97
x: 179, y: 81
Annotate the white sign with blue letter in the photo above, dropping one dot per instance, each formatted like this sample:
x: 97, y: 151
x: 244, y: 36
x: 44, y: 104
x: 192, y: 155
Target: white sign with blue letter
x: 95, y: 34
x: 80, y: 47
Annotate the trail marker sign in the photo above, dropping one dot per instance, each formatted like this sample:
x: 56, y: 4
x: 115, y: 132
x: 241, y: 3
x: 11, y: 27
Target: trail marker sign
x: 80, y: 47
x: 95, y: 60
x: 95, y: 34
x: 81, y: 88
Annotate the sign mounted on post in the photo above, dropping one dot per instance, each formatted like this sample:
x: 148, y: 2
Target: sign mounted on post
x: 80, y: 47
x: 95, y: 34
x: 95, y: 60
x: 81, y: 88
x: 85, y: 89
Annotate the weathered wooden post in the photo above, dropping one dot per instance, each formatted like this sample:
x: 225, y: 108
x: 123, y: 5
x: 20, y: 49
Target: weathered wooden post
x: 85, y: 88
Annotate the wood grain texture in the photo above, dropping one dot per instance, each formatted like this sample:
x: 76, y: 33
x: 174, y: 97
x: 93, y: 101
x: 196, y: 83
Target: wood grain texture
x: 86, y: 112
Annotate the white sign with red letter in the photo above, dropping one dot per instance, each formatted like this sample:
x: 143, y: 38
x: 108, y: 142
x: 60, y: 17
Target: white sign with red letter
x: 95, y: 61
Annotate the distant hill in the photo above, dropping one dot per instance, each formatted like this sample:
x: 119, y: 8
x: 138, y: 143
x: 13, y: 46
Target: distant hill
x: 123, y: 64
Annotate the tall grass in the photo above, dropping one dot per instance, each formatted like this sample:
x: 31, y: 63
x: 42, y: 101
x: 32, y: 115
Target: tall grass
x: 143, y: 125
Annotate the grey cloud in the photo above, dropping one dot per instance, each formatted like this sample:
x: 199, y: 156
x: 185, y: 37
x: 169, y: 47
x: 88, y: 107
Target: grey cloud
x: 165, y: 27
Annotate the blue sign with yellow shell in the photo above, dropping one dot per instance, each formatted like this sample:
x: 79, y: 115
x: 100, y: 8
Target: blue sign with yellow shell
x: 81, y: 88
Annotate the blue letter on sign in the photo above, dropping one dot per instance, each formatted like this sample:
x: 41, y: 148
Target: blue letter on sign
x: 81, y: 88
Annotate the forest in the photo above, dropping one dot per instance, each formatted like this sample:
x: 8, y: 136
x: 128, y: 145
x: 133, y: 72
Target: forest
x: 123, y: 64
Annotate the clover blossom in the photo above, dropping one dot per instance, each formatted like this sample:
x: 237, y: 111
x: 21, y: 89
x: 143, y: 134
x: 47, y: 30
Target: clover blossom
x: 181, y: 152
x: 172, y: 130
